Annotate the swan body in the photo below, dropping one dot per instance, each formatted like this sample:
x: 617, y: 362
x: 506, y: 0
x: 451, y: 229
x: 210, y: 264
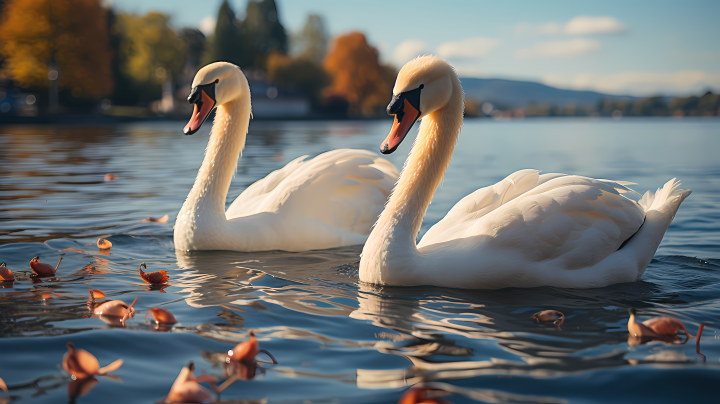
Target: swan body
x: 329, y: 201
x: 528, y: 230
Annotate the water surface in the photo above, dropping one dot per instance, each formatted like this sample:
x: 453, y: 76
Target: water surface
x: 338, y: 340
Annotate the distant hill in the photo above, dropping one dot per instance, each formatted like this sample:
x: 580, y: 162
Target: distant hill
x: 511, y: 93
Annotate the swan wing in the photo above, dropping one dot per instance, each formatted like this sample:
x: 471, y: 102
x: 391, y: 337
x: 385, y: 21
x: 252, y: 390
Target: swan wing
x: 481, y: 202
x: 344, y: 189
x: 576, y: 219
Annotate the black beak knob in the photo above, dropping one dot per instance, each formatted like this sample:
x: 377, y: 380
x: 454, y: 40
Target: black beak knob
x: 396, y: 105
x: 194, y: 96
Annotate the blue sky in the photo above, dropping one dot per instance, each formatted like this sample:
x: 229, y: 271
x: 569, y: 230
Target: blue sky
x: 621, y: 47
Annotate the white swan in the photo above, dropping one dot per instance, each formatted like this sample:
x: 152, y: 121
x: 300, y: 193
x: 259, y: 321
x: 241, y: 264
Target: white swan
x: 329, y: 201
x: 527, y: 230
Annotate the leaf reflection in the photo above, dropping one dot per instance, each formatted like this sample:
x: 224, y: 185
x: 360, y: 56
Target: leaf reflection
x: 436, y: 330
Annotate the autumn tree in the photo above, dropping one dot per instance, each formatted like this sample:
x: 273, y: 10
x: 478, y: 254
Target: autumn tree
x: 71, y: 36
x: 297, y: 73
x: 263, y: 31
x: 357, y: 74
x: 312, y: 41
x: 149, y: 51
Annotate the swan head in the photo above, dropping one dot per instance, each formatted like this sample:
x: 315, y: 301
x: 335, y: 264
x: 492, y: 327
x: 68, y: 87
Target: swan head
x: 423, y: 86
x: 215, y: 84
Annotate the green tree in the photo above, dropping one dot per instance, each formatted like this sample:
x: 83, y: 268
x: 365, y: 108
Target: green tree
x: 263, y: 31
x: 2, y: 11
x: 312, y: 41
x: 228, y: 43
x: 708, y: 104
x: 651, y: 106
x: 149, y: 51
x: 194, y: 41
x: 297, y: 73
x: 609, y: 105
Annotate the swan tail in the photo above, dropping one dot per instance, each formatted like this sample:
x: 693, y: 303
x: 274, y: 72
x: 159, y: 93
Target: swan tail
x: 669, y: 193
x: 660, y: 209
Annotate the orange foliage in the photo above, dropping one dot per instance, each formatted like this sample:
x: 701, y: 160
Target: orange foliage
x: 357, y: 74
x: 72, y: 33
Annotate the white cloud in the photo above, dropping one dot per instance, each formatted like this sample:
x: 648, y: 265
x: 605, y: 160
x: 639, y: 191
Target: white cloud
x: 584, y: 25
x: 550, y: 28
x: 580, y: 25
x: 559, y: 49
x: 467, y: 48
x: 469, y: 70
x: 639, y: 83
x: 207, y: 25
x: 408, y: 50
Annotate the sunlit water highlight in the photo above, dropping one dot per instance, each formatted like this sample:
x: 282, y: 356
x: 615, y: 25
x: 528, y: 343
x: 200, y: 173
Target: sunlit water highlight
x: 337, y: 340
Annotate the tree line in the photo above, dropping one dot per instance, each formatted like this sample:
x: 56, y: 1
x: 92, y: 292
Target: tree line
x: 707, y: 104
x: 93, y: 54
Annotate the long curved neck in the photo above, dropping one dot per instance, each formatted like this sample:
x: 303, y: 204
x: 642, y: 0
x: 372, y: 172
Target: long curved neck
x: 390, y: 255
x: 227, y: 139
x: 425, y: 167
x: 391, y: 250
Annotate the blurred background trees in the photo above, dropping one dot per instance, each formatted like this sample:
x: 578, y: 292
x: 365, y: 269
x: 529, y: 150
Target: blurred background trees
x: 247, y: 43
x: 138, y: 60
x: 194, y: 41
x: 94, y: 59
x: 228, y: 44
x: 149, y: 53
x: 357, y: 74
x: 707, y: 105
x: 263, y: 31
x: 70, y: 37
x: 312, y: 41
x: 298, y: 73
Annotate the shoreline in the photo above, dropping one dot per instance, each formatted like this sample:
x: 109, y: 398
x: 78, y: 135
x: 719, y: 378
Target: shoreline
x: 105, y: 119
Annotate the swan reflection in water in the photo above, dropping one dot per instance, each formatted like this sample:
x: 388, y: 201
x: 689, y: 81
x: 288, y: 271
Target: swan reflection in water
x: 444, y: 334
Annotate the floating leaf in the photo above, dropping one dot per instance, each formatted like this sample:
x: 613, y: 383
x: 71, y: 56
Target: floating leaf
x: 96, y: 293
x: 155, y: 278
x: 43, y: 269
x: 72, y: 249
x: 82, y: 364
x: 161, y: 316
x: 163, y: 219
x: 6, y: 274
x: 549, y: 316
x: 103, y: 244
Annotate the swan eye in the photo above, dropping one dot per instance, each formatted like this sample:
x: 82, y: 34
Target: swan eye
x: 421, y: 86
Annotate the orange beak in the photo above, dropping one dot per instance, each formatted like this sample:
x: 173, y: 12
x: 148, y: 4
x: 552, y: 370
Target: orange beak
x: 201, y: 111
x: 404, y: 120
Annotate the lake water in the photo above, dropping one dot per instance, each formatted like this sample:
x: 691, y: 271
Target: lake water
x: 338, y: 341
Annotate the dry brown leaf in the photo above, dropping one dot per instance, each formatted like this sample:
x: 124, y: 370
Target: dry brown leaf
x: 103, y: 244
x: 163, y: 219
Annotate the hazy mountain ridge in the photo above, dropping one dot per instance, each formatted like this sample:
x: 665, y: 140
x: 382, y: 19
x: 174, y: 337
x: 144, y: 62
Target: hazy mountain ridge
x: 517, y: 94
